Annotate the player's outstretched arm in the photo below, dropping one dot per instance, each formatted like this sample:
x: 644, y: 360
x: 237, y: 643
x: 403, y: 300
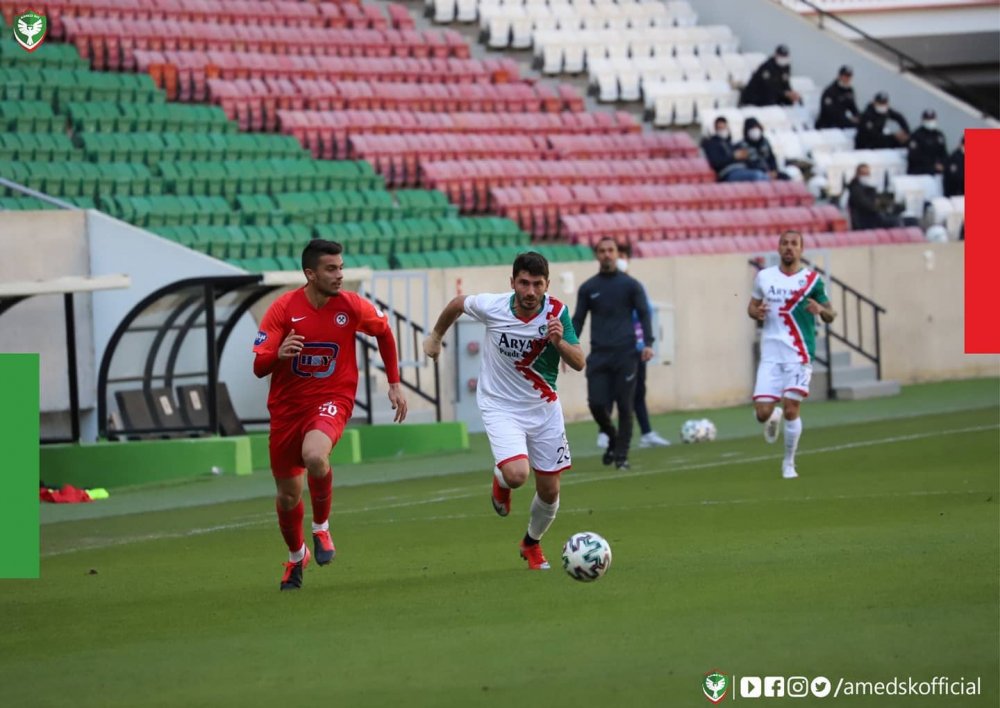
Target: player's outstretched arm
x: 451, y: 312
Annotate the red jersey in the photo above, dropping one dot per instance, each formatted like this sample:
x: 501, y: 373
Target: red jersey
x: 326, y: 369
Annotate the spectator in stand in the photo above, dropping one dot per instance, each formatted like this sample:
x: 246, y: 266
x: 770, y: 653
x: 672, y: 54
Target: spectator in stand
x: 728, y: 161
x: 954, y: 172
x: 880, y: 126
x: 771, y: 84
x: 837, y: 107
x: 863, y: 202
x: 927, y: 151
x: 760, y: 156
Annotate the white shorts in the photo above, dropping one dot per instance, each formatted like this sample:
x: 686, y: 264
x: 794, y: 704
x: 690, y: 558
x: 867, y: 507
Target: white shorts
x: 777, y: 380
x: 539, y: 435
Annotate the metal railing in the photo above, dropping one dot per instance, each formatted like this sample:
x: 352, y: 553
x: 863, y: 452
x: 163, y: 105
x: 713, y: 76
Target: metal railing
x: 402, y: 325
x: 906, y: 63
x: 857, y: 314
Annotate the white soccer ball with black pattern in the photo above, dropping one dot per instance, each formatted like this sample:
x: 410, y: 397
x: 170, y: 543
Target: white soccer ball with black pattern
x: 689, y: 431
x: 706, y: 430
x: 586, y: 556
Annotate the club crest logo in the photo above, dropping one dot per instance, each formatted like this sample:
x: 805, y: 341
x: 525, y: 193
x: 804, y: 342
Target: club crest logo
x: 30, y: 28
x: 715, y: 686
x: 341, y: 319
x: 260, y: 338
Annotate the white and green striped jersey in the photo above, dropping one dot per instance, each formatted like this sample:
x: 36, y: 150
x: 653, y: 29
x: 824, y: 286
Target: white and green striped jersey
x: 789, y: 329
x: 519, y: 364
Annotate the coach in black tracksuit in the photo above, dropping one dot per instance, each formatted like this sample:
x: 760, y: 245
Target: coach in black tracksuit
x: 612, y: 296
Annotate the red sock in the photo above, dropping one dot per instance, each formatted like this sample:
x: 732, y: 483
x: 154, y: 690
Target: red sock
x: 321, y: 494
x: 290, y: 523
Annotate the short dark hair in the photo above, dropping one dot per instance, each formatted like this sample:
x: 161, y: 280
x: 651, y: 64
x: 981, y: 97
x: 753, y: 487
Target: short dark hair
x: 602, y: 239
x: 625, y: 249
x: 315, y: 249
x: 533, y: 262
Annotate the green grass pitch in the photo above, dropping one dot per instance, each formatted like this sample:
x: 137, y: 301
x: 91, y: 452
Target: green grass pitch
x: 881, y: 561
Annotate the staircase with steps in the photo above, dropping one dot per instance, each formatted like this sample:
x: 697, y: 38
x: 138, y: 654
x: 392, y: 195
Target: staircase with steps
x: 852, y: 379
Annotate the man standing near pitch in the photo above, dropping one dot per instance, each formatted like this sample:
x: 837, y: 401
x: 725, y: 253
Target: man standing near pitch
x: 786, y: 298
x: 527, y: 334
x: 306, y: 343
x: 613, y: 365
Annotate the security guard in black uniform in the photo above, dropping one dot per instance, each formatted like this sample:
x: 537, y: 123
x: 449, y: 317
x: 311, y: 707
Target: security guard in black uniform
x: 872, y: 134
x: 837, y: 107
x: 771, y: 84
x: 926, y: 153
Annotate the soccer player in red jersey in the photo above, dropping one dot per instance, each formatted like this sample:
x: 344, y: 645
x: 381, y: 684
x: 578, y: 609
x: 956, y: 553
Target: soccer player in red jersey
x: 306, y: 343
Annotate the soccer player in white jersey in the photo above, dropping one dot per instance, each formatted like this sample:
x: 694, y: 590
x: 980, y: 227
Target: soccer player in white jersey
x: 527, y: 334
x: 786, y: 298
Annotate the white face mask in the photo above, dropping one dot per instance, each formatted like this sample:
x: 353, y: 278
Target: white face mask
x: 883, y: 109
x: 867, y: 180
x: 754, y: 134
x: 930, y: 124
x: 782, y: 61
x: 622, y: 265
x: 724, y: 134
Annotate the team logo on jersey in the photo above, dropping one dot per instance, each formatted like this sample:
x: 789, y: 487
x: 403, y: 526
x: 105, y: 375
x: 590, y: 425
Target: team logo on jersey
x: 328, y: 409
x: 30, y: 28
x: 316, y: 360
x: 341, y: 318
x: 260, y: 338
x: 542, y: 330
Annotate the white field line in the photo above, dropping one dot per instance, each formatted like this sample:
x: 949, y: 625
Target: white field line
x: 469, y: 492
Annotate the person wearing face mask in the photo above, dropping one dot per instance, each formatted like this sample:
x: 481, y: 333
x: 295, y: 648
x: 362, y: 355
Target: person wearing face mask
x: 727, y: 160
x: 771, y: 84
x: 863, y: 203
x: 648, y: 437
x: 926, y: 151
x: 880, y: 126
x: 838, y: 108
x: 610, y: 297
x: 760, y: 156
x: 954, y: 172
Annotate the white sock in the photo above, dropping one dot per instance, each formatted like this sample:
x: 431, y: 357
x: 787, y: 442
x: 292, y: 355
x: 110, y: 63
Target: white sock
x: 297, y: 555
x: 542, y: 516
x: 793, y: 430
x: 325, y: 526
x: 500, y: 480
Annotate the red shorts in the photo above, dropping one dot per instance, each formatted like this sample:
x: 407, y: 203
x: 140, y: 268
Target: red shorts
x: 287, y: 436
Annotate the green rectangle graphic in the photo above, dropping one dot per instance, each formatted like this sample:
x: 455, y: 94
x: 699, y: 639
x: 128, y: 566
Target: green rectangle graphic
x: 19, y: 468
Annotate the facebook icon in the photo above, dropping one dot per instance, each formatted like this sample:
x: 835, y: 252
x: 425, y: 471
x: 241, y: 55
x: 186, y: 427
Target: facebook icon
x: 774, y: 686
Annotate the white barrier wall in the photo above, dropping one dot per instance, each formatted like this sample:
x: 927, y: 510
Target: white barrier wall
x: 920, y: 285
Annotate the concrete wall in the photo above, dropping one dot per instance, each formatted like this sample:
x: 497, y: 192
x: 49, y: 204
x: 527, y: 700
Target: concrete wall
x: 763, y: 24
x: 41, y: 246
x: 921, y: 286
x: 922, y: 333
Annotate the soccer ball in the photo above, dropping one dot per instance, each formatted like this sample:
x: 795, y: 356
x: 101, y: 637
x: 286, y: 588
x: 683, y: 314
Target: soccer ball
x: 700, y: 430
x: 689, y: 431
x: 586, y: 556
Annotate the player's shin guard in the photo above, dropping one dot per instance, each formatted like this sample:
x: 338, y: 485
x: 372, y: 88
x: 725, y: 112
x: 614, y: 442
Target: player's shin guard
x: 542, y: 516
x: 793, y: 431
x: 321, y: 495
x: 290, y: 523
